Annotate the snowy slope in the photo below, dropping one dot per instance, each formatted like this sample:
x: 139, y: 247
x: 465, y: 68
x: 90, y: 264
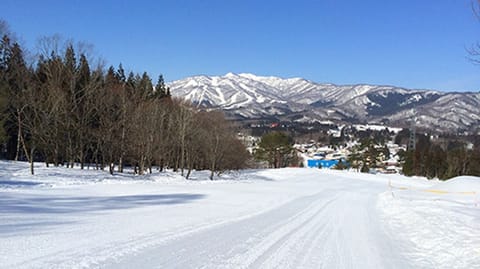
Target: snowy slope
x: 230, y: 92
x: 285, y: 218
x: 438, y: 225
x: 251, y: 96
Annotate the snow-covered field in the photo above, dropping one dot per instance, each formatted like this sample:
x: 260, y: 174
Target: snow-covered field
x: 284, y: 218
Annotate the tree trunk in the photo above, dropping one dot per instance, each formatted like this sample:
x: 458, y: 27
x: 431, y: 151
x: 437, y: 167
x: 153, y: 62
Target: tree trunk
x: 27, y: 154
x: 19, y: 134
x: 95, y: 153
x: 212, y: 169
x: 120, y: 164
x: 32, y: 151
x: 161, y: 165
x: 175, y: 165
x: 55, y: 157
x: 82, y: 156
x: 211, y: 175
x: 122, y: 138
x: 111, y: 167
x: 188, y: 172
x: 182, y: 154
x: 141, y: 165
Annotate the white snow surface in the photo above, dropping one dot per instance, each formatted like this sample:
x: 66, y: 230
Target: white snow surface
x: 283, y: 218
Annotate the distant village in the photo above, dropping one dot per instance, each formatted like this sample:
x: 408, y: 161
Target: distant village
x: 329, y: 146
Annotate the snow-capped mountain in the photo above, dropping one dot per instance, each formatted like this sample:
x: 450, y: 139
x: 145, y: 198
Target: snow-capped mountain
x: 251, y: 96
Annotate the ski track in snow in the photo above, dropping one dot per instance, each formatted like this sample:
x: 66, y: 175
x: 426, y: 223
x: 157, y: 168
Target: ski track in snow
x: 330, y: 229
x: 283, y: 218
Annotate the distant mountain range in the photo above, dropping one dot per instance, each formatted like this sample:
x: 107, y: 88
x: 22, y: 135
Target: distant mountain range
x: 247, y: 96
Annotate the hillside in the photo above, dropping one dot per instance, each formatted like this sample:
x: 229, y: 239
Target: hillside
x: 251, y: 96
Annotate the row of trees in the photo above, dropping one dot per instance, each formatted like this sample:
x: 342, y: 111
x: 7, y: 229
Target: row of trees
x: 63, y: 110
x: 441, y: 160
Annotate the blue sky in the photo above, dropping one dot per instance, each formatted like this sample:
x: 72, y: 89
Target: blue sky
x: 409, y: 43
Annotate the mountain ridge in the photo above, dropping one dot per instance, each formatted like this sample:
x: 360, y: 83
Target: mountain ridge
x: 249, y: 96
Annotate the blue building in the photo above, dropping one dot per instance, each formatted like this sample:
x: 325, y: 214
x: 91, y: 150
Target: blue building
x: 322, y: 163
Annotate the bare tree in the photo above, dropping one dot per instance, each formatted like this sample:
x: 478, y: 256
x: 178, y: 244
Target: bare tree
x: 474, y: 50
x: 163, y: 137
x: 141, y: 137
x: 215, y: 135
x: 184, y: 119
x: 67, y: 112
x: 108, y: 113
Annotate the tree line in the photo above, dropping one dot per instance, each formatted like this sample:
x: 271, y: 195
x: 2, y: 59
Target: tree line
x: 441, y: 159
x: 63, y: 110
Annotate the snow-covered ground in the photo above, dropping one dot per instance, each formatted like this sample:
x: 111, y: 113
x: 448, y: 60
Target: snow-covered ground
x: 284, y: 218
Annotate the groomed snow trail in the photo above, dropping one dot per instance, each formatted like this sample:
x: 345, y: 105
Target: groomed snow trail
x: 280, y: 218
x: 337, y: 227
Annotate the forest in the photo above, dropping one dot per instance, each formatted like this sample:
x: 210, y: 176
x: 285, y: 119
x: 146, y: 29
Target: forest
x: 443, y: 158
x: 61, y: 109
x: 62, y: 106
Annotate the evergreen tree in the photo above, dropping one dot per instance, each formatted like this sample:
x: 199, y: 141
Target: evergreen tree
x: 14, y: 82
x: 276, y: 148
x: 85, y: 113
x: 341, y: 165
x: 63, y: 111
x: 84, y: 75
x: 110, y: 77
x: 438, y: 162
x: 120, y: 74
x: 474, y: 163
x: 161, y: 90
x: 4, y: 55
x: 124, y: 107
x: 407, y: 159
x: 145, y: 86
x: 355, y: 159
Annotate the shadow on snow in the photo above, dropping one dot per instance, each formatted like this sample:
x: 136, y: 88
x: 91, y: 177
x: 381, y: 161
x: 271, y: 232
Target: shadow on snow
x: 17, y: 183
x: 15, y: 203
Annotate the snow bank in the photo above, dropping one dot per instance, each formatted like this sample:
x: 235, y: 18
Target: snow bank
x: 462, y: 184
x: 439, y: 226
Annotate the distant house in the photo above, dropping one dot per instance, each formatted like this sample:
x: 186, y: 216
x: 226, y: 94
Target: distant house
x: 391, y: 162
x: 391, y: 170
x: 391, y: 166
